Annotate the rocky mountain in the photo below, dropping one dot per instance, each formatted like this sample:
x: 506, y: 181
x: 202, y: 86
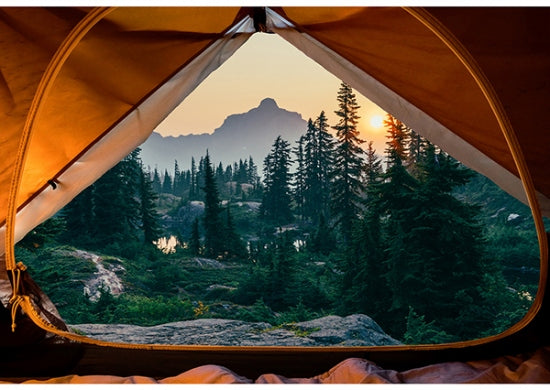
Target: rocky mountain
x: 241, y: 135
x: 353, y: 330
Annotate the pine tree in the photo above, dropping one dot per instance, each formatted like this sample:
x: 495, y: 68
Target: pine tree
x: 157, y: 186
x: 281, y: 274
x: 167, y: 187
x: 433, y: 240
x: 363, y: 287
x: 228, y: 174
x: 322, y: 240
x: 397, y: 209
x: 252, y: 174
x: 299, y: 190
x: 373, y: 168
x: 220, y: 175
x: 193, y: 190
x: 116, y: 212
x: 78, y: 216
x: 275, y: 205
x: 325, y: 161
x: 347, y: 186
x: 318, y: 160
x: 449, y: 239
x: 200, y: 179
x: 194, y: 240
x: 149, y: 217
x: 213, y: 229
x: 417, y: 147
x: 131, y: 172
x: 234, y: 246
x: 178, y: 180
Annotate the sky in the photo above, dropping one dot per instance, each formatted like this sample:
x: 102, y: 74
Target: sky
x: 268, y: 66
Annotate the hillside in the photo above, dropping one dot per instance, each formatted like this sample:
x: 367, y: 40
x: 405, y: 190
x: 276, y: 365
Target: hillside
x: 241, y: 135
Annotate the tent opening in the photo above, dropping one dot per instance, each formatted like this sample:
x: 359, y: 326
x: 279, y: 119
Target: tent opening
x: 282, y: 227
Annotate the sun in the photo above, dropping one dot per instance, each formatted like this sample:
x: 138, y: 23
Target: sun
x: 376, y: 121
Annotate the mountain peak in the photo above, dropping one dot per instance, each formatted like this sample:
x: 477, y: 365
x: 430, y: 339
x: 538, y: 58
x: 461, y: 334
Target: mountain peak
x: 268, y: 103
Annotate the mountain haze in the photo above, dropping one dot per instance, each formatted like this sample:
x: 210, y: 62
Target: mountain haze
x: 241, y: 135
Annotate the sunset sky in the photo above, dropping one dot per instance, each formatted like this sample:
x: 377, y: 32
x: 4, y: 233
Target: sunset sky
x: 267, y: 66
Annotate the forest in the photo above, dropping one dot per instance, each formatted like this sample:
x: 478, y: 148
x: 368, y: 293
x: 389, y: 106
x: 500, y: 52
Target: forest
x: 429, y: 249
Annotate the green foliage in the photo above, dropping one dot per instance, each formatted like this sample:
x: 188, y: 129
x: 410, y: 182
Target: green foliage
x: 419, y: 331
x: 347, y: 186
x: 258, y: 312
x: 276, y: 199
x: 194, y: 241
x: 213, y: 231
x: 150, y: 311
x: 405, y: 246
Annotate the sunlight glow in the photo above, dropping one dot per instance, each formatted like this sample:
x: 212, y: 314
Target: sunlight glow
x: 376, y: 121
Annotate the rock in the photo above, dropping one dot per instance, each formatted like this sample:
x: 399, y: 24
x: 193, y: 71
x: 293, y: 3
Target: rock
x: 353, y: 330
x: 208, y: 263
x: 104, y: 279
x: 356, y: 329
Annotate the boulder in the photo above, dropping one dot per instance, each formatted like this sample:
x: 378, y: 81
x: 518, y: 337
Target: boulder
x: 353, y: 330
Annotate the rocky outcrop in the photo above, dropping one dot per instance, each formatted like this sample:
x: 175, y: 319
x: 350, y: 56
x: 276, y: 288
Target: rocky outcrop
x: 105, y: 277
x: 353, y: 330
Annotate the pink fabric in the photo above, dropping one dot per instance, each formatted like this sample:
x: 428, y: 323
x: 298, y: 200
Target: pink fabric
x: 529, y: 368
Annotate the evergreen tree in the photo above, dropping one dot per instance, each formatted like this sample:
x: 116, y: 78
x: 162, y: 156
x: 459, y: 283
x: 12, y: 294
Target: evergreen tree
x: 275, y: 205
x: 149, y: 217
x: 193, y: 190
x: 300, y: 177
x: 347, y: 186
x: 228, y: 175
x: 167, y: 187
x: 252, y: 174
x: 448, y: 240
x: 200, y: 178
x: 131, y: 172
x: 396, y: 207
x: 220, y: 176
x: 194, y: 240
x: 234, y: 246
x: 79, y: 217
x: 115, y: 213
x: 213, y: 229
x: 417, y: 147
x: 373, y: 169
x: 322, y: 240
x: 310, y: 187
x: 319, y: 149
x: 433, y: 246
x: 325, y: 161
x: 363, y: 287
x: 186, y: 181
x: 281, y: 273
x: 178, y: 180
x: 157, y: 186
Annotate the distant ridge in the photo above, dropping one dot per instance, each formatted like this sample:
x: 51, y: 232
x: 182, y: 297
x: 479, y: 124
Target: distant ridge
x: 241, y: 135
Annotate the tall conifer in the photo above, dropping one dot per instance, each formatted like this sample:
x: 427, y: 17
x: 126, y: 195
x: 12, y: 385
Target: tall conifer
x: 347, y: 186
x: 276, y: 200
x: 213, y: 229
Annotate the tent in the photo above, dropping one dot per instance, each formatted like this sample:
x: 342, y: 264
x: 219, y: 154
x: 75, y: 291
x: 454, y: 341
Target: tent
x: 81, y: 87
